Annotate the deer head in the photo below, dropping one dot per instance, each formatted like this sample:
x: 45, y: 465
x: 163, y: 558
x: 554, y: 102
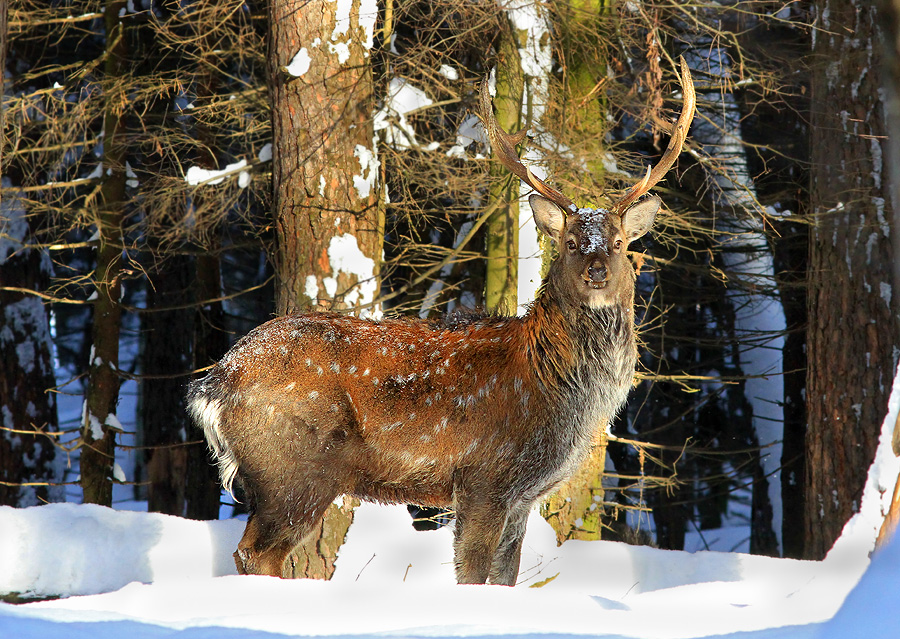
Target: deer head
x: 592, y: 267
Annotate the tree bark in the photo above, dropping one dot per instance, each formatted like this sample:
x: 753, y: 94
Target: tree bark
x: 99, y: 428
x: 575, y: 510
x: 328, y: 214
x: 853, y: 331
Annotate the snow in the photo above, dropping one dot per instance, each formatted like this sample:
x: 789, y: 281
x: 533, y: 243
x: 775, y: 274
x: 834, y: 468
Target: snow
x: 469, y: 131
x: 854, y: 543
x: 341, y: 18
x: 300, y: 63
x: 311, y: 287
x: 345, y: 256
x: 368, y: 14
x: 449, y: 72
x: 341, y: 50
x: 364, y: 182
x: 141, y: 574
x: 197, y: 176
x: 402, y: 98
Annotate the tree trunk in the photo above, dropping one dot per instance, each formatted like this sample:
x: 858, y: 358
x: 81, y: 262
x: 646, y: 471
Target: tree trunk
x: 26, y: 369
x: 852, y: 330
x: 502, y: 228
x: 99, y: 424
x: 167, y: 332
x: 889, y: 19
x: 328, y: 214
x: 790, y: 262
x: 210, y: 341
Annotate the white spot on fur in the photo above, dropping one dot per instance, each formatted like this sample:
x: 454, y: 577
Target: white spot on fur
x: 313, y: 395
x: 290, y: 386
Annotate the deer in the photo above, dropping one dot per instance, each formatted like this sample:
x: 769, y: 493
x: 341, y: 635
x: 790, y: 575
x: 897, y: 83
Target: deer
x: 479, y: 414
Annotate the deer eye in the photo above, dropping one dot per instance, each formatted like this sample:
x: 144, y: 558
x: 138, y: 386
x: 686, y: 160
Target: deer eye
x: 618, y: 245
x: 571, y: 244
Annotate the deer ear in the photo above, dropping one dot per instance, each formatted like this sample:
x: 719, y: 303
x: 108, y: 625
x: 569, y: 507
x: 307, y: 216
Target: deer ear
x: 638, y: 218
x: 549, y: 218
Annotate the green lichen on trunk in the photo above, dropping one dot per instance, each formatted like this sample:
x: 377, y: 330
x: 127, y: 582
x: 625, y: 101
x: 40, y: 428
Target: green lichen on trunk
x: 502, y: 228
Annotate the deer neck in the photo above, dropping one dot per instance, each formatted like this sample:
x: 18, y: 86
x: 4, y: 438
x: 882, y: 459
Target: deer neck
x: 578, y: 352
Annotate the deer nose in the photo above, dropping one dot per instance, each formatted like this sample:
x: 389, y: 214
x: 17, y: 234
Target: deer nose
x: 597, y: 272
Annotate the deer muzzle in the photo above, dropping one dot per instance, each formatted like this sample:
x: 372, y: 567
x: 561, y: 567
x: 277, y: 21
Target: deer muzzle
x: 596, y: 276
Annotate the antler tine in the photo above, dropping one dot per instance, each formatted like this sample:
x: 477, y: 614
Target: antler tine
x: 504, y: 145
x: 679, y: 133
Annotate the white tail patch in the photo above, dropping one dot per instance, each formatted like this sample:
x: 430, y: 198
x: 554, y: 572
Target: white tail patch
x: 208, y: 414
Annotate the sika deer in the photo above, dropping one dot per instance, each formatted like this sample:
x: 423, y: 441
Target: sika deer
x: 482, y: 415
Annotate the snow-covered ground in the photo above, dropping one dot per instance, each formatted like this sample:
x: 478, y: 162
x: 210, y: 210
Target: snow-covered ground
x: 143, y: 575
x: 132, y: 574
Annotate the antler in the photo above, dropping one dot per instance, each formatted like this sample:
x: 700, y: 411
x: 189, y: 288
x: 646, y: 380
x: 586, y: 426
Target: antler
x: 504, y: 145
x: 679, y: 133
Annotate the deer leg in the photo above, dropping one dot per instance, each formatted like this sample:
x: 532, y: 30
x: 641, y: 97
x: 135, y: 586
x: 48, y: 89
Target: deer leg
x: 505, y: 566
x: 479, y: 525
x: 276, y: 526
x: 260, y: 552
